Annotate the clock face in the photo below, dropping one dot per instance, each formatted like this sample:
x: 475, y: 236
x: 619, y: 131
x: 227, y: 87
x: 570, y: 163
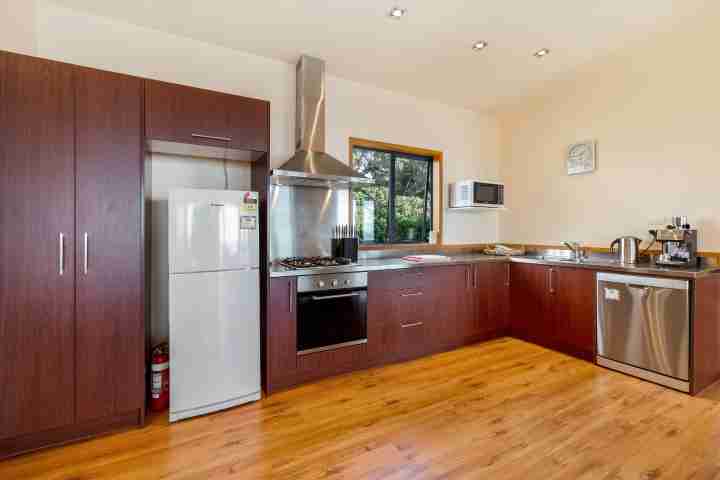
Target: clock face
x: 581, y: 158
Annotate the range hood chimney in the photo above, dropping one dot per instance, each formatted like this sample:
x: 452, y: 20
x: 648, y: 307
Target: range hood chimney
x: 311, y: 165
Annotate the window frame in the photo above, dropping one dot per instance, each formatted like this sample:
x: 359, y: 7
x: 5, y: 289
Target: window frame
x: 436, y: 174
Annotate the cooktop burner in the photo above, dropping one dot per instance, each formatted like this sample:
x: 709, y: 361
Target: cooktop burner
x: 313, y: 262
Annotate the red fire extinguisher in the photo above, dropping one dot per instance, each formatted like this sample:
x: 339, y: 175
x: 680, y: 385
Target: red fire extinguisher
x: 160, y: 378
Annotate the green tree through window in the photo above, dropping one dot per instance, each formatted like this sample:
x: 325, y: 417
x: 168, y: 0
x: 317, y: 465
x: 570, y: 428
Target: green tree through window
x: 398, y: 207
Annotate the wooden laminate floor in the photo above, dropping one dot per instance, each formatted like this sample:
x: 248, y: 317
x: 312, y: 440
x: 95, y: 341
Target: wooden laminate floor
x: 499, y: 410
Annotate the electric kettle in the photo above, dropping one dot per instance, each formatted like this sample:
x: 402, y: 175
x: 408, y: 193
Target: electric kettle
x: 628, y: 248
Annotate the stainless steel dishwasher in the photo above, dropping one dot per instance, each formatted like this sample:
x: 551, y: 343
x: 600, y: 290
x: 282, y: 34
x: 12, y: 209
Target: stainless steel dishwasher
x: 643, y: 327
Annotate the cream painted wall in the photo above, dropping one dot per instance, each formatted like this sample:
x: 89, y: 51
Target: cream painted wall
x: 654, y: 110
x: 469, y: 140
x: 17, y: 26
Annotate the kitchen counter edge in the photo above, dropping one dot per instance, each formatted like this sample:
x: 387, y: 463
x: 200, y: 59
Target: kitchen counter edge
x: 372, y: 265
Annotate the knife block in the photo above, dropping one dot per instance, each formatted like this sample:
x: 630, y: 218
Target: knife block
x: 346, y: 248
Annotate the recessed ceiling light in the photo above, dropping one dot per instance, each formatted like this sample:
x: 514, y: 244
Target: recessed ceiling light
x: 541, y: 53
x: 398, y: 12
x: 480, y: 45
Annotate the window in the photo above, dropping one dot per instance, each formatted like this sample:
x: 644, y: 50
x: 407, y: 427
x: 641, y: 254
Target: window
x: 400, y: 206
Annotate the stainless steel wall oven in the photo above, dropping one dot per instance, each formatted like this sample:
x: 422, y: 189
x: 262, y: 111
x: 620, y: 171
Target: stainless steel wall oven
x: 331, y: 311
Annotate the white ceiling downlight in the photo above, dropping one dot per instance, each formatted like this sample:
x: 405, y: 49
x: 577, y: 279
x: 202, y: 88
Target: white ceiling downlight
x: 481, y: 45
x: 541, y: 53
x: 397, y: 12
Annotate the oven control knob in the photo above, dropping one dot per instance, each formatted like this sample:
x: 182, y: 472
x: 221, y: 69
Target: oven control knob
x: 320, y: 283
x: 334, y: 283
x: 347, y: 282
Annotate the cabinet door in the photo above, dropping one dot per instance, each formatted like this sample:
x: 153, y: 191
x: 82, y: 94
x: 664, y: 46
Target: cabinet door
x: 110, y: 323
x: 382, y: 337
x: 37, y: 202
x: 494, y: 280
x: 448, y: 307
x: 183, y: 114
x: 573, y: 309
x: 281, y: 334
x: 529, y: 303
x: 249, y: 123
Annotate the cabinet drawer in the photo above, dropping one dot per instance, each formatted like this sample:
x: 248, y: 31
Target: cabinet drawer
x: 331, y: 362
x: 411, y: 278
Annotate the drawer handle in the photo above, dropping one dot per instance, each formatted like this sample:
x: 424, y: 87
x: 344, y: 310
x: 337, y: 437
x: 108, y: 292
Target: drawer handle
x: 211, y: 137
x: 410, y: 325
x: 416, y: 294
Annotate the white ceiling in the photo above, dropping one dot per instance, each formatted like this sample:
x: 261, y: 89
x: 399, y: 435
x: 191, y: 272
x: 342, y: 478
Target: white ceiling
x: 428, y: 52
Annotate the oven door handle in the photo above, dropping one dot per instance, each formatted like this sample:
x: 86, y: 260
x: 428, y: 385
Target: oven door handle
x: 342, y: 295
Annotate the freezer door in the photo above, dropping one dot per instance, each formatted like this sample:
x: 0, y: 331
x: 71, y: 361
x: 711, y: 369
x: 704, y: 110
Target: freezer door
x: 645, y: 325
x: 212, y: 230
x: 214, y: 339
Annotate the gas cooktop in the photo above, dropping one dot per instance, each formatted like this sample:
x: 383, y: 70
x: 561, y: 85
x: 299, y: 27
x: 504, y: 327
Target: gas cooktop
x: 295, y: 263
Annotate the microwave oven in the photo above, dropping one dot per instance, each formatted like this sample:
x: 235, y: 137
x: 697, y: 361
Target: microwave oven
x: 476, y: 193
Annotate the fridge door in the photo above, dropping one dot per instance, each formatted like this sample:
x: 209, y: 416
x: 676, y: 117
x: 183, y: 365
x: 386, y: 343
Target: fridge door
x: 212, y: 230
x: 214, y: 341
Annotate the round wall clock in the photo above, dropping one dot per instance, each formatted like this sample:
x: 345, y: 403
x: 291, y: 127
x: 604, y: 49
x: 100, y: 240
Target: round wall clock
x: 581, y: 158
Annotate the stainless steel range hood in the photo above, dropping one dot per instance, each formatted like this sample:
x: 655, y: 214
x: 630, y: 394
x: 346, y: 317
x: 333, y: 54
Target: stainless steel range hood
x: 310, y: 165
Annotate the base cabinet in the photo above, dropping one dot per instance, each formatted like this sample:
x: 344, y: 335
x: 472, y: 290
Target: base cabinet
x: 281, y: 335
x: 554, y: 307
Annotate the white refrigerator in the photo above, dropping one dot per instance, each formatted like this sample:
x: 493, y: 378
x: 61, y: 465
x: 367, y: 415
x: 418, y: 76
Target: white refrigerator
x: 214, y: 300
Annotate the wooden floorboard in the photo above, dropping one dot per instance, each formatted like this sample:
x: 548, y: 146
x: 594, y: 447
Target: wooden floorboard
x: 504, y: 409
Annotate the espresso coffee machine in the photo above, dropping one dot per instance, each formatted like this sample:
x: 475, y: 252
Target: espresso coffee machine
x: 679, y: 243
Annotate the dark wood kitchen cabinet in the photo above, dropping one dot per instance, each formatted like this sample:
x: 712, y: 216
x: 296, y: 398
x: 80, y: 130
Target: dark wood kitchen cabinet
x: 109, y: 318
x: 399, y: 315
x: 419, y: 311
x: 573, y: 310
x: 529, y: 301
x: 37, y: 261
x: 281, y: 335
x: 72, y: 349
x: 485, y: 316
x: 183, y: 114
x: 494, y: 279
x: 554, y: 307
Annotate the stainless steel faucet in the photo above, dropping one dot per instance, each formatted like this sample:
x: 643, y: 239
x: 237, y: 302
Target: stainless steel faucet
x: 577, y: 249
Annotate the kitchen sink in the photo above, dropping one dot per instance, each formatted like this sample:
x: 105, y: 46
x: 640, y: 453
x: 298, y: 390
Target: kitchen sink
x: 571, y: 260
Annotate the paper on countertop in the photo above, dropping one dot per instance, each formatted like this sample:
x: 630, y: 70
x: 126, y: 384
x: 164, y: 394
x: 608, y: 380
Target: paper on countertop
x: 425, y: 258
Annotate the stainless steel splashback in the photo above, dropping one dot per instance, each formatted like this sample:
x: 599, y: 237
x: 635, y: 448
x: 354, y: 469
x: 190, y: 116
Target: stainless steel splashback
x: 301, y: 219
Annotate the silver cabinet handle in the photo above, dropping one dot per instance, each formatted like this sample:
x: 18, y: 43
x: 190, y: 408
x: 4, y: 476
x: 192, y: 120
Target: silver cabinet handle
x: 86, y: 240
x: 416, y: 294
x: 211, y: 137
x: 61, y: 254
x: 292, y: 295
x: 342, y: 295
x: 410, y: 325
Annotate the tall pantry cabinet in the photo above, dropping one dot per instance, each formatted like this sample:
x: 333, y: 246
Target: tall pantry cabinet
x: 72, y: 332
